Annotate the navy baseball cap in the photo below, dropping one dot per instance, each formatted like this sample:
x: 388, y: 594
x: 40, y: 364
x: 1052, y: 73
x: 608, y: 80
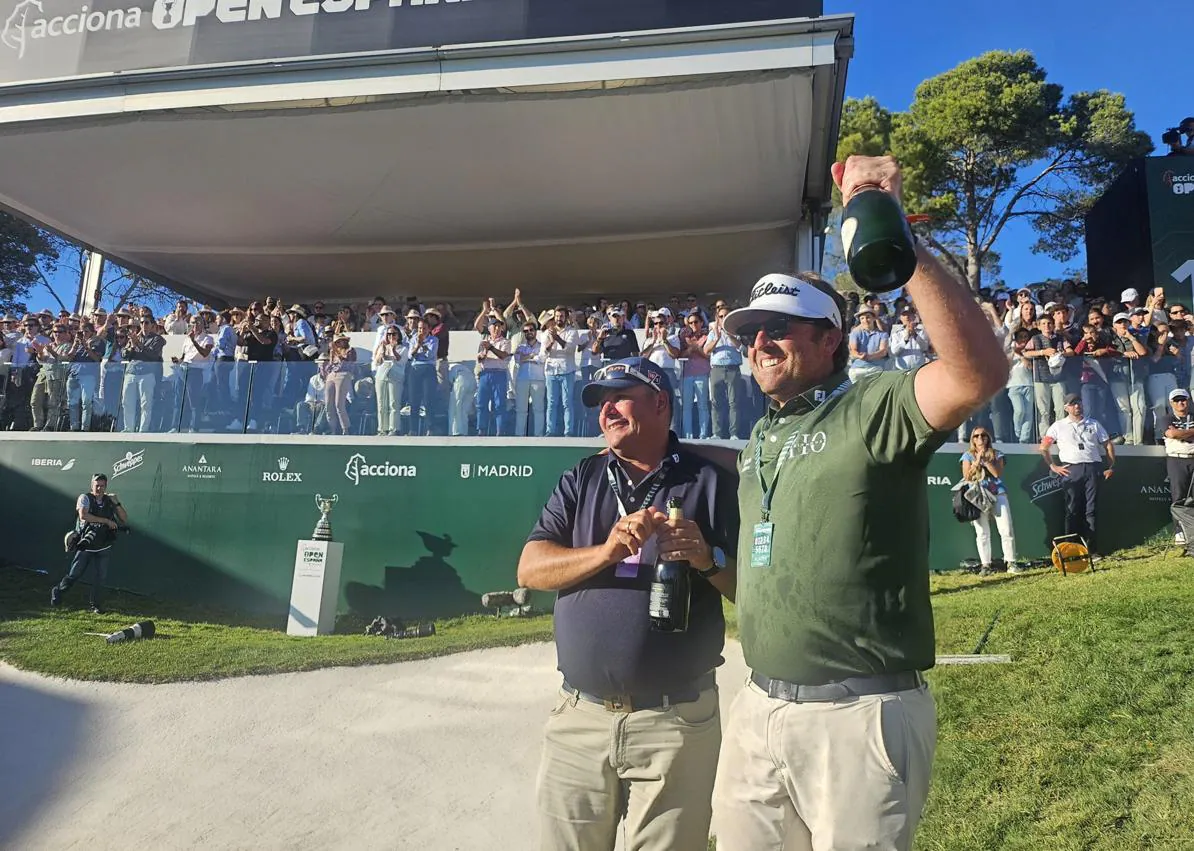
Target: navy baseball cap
x: 624, y: 374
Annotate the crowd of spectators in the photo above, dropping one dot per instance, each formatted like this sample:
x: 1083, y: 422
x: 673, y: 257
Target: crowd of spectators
x: 273, y: 367
x: 269, y: 367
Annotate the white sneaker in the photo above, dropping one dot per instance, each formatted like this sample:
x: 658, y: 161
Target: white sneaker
x: 1015, y: 567
x: 1179, y: 539
x: 236, y: 425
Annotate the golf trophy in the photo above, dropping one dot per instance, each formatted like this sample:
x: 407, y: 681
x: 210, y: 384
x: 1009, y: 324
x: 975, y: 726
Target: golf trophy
x: 315, y: 593
x: 323, y: 529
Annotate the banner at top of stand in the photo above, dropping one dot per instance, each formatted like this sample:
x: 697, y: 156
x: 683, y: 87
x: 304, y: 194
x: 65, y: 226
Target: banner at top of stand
x: 56, y: 39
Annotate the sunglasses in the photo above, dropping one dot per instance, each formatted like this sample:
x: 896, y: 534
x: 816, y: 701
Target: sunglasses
x: 773, y: 329
x: 983, y: 434
x: 619, y: 370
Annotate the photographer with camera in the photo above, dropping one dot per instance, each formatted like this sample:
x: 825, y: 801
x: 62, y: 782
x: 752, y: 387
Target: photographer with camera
x: 100, y: 517
x: 1172, y: 138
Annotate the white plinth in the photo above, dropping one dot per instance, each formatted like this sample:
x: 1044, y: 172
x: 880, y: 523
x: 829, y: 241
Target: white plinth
x: 316, y: 590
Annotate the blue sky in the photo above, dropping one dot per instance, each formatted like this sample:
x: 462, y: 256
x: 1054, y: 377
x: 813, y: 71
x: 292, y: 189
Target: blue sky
x: 1097, y: 44
x: 1090, y: 45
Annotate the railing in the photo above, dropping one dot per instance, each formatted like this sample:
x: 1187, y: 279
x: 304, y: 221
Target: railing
x: 277, y: 398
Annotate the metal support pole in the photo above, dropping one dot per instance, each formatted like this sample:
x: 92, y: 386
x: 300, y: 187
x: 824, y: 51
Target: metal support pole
x: 89, y: 284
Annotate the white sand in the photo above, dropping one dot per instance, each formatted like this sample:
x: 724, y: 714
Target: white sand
x: 437, y: 754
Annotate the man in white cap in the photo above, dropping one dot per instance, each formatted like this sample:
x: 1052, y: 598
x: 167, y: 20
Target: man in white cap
x: 1130, y: 299
x: 830, y: 745
x: 1179, y: 452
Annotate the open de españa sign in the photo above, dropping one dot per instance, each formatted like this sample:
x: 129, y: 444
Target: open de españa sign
x: 55, y: 39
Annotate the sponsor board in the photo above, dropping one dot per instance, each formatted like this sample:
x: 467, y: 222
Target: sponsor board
x: 131, y: 461
x: 62, y: 466
x: 496, y: 471
x: 358, y: 467
x: 201, y: 469
x: 283, y: 474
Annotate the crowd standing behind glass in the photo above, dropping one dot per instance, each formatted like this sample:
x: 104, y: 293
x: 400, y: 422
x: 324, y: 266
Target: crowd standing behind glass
x: 255, y: 369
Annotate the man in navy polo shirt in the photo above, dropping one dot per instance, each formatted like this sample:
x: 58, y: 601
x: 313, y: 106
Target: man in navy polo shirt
x: 635, y: 730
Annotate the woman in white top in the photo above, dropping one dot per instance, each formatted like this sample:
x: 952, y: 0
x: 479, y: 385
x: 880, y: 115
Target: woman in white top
x: 983, y: 465
x: 389, y: 363
x: 198, y: 360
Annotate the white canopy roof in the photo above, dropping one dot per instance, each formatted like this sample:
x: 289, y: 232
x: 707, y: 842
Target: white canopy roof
x: 677, y: 160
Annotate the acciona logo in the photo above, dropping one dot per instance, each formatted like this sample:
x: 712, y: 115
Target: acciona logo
x: 202, y: 470
x: 1180, y: 184
x: 282, y: 474
x: 359, y: 468
x: 131, y: 461
x: 28, y: 22
x: 496, y: 471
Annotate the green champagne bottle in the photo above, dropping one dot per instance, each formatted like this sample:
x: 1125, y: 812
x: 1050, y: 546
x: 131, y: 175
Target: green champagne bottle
x: 880, y: 251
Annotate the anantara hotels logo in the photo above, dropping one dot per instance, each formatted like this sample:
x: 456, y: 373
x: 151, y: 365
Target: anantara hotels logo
x: 1179, y: 184
x: 283, y: 473
x: 201, y: 469
x: 358, y: 467
x: 30, y: 21
x: 130, y: 462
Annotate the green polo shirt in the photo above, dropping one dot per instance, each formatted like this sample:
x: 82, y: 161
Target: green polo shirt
x: 847, y: 589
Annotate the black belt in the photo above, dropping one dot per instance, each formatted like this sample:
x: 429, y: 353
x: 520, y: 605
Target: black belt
x: 828, y: 692
x: 635, y: 702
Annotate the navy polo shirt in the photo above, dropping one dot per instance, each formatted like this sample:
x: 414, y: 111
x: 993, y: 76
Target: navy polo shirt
x: 604, y: 643
x: 619, y: 345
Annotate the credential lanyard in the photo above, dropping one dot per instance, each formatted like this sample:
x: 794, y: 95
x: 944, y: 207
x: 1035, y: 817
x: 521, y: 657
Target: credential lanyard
x: 648, y: 498
x: 769, y: 491
x: 766, y: 491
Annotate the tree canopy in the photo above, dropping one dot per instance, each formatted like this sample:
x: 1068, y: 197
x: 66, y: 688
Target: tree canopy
x: 24, y: 251
x: 993, y: 140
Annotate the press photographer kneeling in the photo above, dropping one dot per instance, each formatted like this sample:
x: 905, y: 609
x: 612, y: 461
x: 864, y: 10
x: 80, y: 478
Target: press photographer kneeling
x: 101, y: 516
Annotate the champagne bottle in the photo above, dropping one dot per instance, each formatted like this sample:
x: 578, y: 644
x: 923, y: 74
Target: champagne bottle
x: 880, y: 251
x: 671, y: 587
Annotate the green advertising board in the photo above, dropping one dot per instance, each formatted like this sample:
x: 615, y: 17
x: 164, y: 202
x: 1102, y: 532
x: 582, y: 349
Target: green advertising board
x: 1170, y: 183
x: 428, y: 526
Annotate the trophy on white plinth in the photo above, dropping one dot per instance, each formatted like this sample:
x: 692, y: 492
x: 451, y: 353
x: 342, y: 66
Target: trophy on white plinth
x: 323, y: 529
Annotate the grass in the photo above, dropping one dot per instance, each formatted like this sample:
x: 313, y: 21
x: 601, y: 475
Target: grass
x: 1085, y: 742
x: 194, y: 643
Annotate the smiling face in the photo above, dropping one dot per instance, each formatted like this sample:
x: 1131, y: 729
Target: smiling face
x: 801, y: 359
x: 634, y: 418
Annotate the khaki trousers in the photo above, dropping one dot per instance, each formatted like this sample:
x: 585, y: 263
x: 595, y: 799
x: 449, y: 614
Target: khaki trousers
x: 838, y: 776
x: 653, y: 767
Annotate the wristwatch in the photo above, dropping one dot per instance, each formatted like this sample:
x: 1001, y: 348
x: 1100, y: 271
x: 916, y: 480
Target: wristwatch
x: 719, y: 564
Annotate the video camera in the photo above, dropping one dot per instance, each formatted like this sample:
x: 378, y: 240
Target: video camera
x: 92, y: 535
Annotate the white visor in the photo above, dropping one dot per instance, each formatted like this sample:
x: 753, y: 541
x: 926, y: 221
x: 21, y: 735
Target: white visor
x: 787, y: 296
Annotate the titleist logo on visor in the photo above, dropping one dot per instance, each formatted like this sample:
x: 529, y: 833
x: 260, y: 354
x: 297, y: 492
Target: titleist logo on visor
x: 763, y: 288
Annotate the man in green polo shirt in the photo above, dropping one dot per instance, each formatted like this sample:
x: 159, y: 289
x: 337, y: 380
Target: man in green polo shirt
x: 830, y: 746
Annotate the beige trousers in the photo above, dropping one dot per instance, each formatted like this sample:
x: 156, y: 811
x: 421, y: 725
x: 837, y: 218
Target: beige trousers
x: 653, y: 768
x: 839, y: 776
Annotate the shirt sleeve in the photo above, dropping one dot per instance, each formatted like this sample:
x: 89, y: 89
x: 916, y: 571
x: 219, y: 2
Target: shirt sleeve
x: 1101, y: 433
x: 893, y: 425
x: 726, y: 520
x: 81, y: 503
x: 556, y: 522
x: 1053, y: 432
